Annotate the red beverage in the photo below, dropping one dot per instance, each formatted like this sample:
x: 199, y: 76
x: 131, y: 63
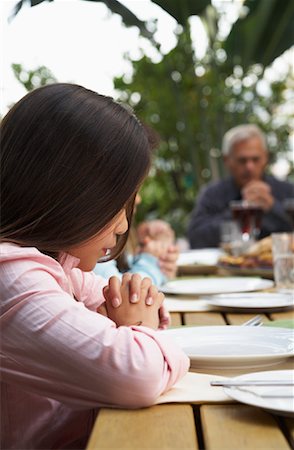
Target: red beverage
x: 248, y: 217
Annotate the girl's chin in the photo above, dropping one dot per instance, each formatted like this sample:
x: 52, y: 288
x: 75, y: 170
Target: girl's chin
x: 86, y: 267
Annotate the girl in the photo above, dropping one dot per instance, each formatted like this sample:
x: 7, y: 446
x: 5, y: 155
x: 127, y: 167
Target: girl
x: 72, y: 162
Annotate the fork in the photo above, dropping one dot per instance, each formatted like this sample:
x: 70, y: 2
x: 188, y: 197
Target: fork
x: 256, y: 321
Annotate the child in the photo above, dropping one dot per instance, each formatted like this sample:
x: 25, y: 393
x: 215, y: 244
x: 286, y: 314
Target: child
x: 72, y: 162
x: 151, y: 252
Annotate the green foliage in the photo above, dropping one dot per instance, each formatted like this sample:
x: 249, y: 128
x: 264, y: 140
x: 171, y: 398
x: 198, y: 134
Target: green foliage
x: 32, y: 79
x: 191, y: 104
x: 264, y: 34
x: 182, y: 10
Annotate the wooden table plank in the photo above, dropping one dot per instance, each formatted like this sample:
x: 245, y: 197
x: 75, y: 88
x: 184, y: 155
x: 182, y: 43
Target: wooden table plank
x: 238, y: 319
x: 283, y: 315
x: 240, y: 427
x: 176, y: 319
x: 204, y: 318
x: 158, y: 427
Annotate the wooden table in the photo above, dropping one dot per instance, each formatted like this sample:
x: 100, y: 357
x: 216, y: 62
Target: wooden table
x: 182, y: 426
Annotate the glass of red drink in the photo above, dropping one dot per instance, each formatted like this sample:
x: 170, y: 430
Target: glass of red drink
x: 248, y: 216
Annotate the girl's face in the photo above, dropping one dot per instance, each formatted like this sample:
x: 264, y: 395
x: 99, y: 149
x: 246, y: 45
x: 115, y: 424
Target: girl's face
x: 90, y: 251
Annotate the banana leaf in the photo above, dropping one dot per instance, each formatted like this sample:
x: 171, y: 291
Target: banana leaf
x: 183, y: 9
x: 263, y: 35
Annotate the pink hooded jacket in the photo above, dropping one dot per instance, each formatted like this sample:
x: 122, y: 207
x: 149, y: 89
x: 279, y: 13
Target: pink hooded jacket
x: 61, y: 360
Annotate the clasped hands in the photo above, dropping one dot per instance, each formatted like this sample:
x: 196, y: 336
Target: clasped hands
x: 157, y: 238
x: 259, y: 193
x: 134, y: 301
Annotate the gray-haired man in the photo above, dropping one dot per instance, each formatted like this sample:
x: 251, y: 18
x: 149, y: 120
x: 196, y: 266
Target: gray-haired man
x: 246, y: 156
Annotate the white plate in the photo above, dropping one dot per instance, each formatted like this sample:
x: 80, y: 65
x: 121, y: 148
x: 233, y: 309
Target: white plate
x: 216, y: 285
x: 234, y: 346
x: 277, y: 399
x: 203, y: 257
x: 254, y: 302
x: 186, y: 304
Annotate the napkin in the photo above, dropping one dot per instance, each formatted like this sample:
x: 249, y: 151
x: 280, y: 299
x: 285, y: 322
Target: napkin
x: 286, y: 323
x: 195, y: 388
x: 186, y: 305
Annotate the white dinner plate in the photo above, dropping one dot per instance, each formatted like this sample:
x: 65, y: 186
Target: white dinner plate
x: 186, y: 304
x: 203, y: 257
x: 215, y: 285
x: 234, y: 346
x: 276, y: 399
x: 252, y: 302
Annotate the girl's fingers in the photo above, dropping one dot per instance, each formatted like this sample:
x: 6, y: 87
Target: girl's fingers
x: 113, y: 292
x: 144, y: 294
x: 102, y: 310
x: 164, y: 317
x: 135, y: 288
x: 152, y: 295
x: 125, y: 279
x: 106, y: 292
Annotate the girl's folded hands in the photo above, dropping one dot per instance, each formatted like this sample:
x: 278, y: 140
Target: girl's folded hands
x: 134, y: 301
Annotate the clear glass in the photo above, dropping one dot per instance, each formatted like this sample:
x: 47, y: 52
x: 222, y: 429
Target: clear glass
x: 231, y: 238
x: 283, y: 259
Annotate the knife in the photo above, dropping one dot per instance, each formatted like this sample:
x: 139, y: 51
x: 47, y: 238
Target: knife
x: 229, y: 383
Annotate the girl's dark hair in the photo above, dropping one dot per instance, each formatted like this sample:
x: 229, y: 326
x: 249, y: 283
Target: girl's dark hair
x: 71, y: 159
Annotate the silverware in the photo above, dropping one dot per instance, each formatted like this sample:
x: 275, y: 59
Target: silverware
x: 263, y: 394
x: 256, y: 321
x: 232, y: 383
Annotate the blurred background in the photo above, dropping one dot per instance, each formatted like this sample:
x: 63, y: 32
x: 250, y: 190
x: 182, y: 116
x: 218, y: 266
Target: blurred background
x: 191, y: 69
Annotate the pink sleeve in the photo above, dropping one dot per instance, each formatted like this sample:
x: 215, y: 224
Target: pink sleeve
x: 87, y: 287
x: 54, y: 346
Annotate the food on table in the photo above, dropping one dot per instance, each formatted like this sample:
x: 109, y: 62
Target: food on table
x: 259, y: 255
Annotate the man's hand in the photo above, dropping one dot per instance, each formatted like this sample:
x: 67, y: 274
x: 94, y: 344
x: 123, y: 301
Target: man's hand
x: 259, y: 193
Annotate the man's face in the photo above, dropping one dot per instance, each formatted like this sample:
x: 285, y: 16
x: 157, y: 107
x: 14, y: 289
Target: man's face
x: 247, y: 161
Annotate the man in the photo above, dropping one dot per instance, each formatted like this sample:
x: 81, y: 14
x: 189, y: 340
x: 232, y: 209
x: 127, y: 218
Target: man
x: 246, y: 156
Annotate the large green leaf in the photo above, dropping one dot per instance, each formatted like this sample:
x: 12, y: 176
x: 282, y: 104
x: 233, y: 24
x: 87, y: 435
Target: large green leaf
x: 263, y: 35
x: 181, y: 10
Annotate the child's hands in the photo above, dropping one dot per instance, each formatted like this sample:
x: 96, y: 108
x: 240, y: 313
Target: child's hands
x: 168, y: 261
x: 155, y: 248
x: 166, y: 253
x: 134, y: 302
x: 158, y: 230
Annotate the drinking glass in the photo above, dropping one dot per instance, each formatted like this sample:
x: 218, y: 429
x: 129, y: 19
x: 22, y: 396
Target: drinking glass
x: 231, y: 237
x: 283, y: 259
x: 248, y: 216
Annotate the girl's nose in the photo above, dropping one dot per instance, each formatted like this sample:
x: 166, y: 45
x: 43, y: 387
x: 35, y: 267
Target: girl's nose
x: 123, y: 225
x: 138, y: 199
